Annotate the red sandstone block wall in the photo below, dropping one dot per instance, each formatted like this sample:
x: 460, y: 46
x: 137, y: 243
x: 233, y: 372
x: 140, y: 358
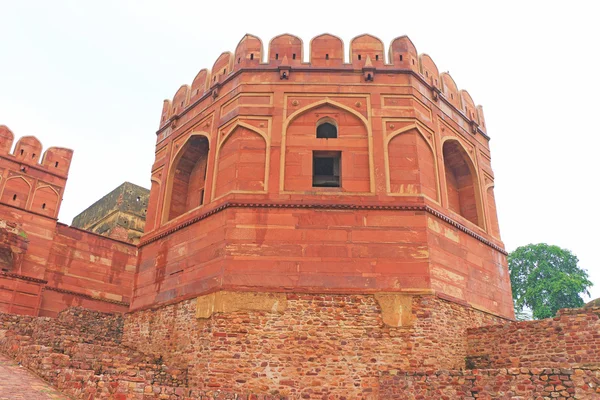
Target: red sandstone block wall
x: 18, y: 296
x: 82, y: 266
x: 570, y: 339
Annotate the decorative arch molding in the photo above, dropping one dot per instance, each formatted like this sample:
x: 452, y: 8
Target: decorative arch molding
x: 317, y: 104
x: 7, y: 198
x: 472, y: 166
x: 423, y: 132
x: 171, y: 173
x: 52, y: 208
x: 230, y: 132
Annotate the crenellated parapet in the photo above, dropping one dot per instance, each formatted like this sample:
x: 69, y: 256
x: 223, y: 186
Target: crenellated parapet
x: 30, y: 178
x: 366, y: 57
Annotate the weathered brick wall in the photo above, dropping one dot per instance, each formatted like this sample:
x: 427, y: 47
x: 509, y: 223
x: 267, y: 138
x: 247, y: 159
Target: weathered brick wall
x: 318, y: 345
x: 570, y: 339
x: 512, y: 383
x: 79, y: 353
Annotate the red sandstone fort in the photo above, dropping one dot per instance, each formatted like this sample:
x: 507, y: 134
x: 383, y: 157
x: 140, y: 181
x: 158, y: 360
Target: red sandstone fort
x: 315, y: 228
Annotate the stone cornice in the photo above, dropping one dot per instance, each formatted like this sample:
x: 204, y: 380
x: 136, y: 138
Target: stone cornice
x: 22, y: 277
x: 87, y: 296
x: 324, y: 206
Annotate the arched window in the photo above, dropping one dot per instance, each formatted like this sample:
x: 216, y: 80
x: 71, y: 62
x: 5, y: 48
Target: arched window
x: 461, y: 182
x: 326, y: 130
x: 189, y: 177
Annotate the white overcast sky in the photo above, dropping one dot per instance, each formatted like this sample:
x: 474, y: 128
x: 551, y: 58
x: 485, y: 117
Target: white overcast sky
x: 92, y: 76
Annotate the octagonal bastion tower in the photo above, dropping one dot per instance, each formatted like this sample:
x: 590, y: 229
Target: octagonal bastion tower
x: 308, y: 213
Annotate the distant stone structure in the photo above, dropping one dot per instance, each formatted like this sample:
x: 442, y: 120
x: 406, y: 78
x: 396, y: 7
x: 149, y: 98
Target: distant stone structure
x: 314, y: 229
x: 121, y: 214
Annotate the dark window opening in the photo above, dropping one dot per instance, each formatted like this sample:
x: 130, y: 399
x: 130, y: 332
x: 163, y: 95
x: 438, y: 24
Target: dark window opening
x: 327, y: 56
x: 224, y: 70
x: 201, y: 197
x: 400, y: 57
x: 14, y: 196
x: 294, y: 56
x: 33, y: 155
x: 239, y: 60
x: 426, y: 73
x: 377, y: 57
x: 43, y: 206
x: 23, y: 169
x: 277, y: 56
x: 56, y: 164
x: 21, y: 151
x: 413, y: 62
x: 326, y: 168
x: 359, y: 57
x: 326, y: 131
x: 252, y: 56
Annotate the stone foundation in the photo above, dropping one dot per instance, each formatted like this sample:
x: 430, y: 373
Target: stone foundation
x: 304, y: 345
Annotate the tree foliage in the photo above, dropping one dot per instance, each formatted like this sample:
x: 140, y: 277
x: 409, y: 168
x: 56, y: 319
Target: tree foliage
x: 546, y: 278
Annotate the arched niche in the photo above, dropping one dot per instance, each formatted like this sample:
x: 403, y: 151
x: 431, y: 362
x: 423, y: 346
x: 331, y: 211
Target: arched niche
x: 187, y: 177
x: 16, y: 192
x: 348, y: 154
x: 412, y: 167
x: 462, y: 186
x: 326, y: 51
x: 45, y: 201
x: 242, y: 162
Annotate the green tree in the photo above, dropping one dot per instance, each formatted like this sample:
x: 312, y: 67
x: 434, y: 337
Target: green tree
x: 545, y: 279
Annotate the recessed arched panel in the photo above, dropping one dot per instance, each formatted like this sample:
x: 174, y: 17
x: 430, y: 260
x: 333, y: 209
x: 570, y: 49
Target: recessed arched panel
x: 364, y: 46
x: 412, y: 168
x: 242, y: 162
x: 493, y: 213
x: 248, y: 52
x: 6, y: 139
x: 403, y: 53
x: 187, y: 177
x: 28, y: 149
x: 462, y: 187
x: 45, y: 201
x: 347, y: 154
x: 16, y: 192
x: 450, y: 90
x: 288, y: 46
x: 326, y: 50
